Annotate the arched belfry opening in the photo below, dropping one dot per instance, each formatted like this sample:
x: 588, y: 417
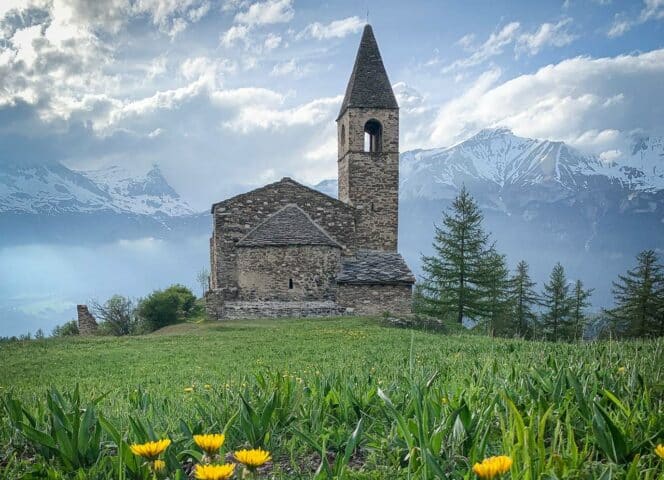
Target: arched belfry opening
x: 373, y: 136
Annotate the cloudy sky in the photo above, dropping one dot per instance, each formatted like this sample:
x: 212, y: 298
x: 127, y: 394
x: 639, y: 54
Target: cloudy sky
x: 228, y: 94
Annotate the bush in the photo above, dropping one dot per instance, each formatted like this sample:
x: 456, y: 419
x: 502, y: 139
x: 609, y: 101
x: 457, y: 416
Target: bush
x: 68, y: 329
x: 117, y: 316
x: 166, y: 307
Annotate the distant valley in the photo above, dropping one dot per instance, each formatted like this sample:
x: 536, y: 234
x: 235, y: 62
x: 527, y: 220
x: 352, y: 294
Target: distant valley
x: 543, y: 201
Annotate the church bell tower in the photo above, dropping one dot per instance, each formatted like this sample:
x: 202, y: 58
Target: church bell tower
x: 368, y: 149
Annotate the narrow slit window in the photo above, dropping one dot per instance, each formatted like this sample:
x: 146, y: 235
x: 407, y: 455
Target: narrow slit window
x: 290, y: 284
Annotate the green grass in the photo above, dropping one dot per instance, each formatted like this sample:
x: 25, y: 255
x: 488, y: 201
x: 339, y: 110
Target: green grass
x: 299, y: 387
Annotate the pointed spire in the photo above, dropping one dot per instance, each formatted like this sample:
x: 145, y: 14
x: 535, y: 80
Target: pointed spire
x: 368, y: 85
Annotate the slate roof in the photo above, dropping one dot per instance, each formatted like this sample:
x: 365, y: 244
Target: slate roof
x: 288, y: 226
x: 370, y: 267
x: 283, y: 182
x: 369, y: 85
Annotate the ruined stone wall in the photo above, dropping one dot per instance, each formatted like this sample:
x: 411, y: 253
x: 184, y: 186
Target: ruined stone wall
x: 375, y: 299
x: 235, y: 218
x: 369, y: 181
x: 265, y: 273
x: 87, y: 325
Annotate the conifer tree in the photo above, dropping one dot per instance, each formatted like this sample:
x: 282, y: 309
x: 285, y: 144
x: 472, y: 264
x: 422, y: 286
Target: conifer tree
x: 453, y: 273
x: 639, y: 298
x: 580, y: 303
x: 524, y: 299
x: 557, y: 304
x: 494, y: 294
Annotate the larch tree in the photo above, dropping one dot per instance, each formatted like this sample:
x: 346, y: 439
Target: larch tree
x: 580, y: 302
x: 453, y: 273
x: 639, y: 298
x: 557, y: 306
x: 524, y: 300
x: 494, y: 294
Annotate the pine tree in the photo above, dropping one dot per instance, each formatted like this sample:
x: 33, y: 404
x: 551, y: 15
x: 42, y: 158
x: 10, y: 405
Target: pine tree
x: 580, y: 302
x: 494, y: 293
x: 453, y: 273
x: 639, y: 298
x: 524, y: 298
x: 557, y: 304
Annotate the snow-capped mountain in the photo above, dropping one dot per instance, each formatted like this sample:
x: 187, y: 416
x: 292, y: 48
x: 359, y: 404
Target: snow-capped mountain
x: 48, y: 202
x: 147, y: 195
x: 501, y: 160
x: 52, y: 188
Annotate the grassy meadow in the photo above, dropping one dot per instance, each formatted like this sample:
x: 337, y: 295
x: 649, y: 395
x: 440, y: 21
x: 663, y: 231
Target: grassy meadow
x: 333, y: 398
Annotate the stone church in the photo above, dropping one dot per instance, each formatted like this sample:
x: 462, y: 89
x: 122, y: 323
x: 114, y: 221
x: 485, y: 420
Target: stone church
x: 288, y: 250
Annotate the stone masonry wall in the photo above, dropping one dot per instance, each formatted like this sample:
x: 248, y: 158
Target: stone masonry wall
x: 275, y: 309
x: 264, y: 273
x: 234, y: 218
x: 369, y: 181
x: 87, y: 325
x: 375, y: 299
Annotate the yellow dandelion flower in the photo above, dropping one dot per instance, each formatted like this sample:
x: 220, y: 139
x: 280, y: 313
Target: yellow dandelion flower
x: 253, y: 458
x: 492, y: 467
x: 150, y: 450
x: 214, y: 472
x: 207, y: 386
x: 188, y: 389
x: 210, y: 443
x: 659, y: 450
x: 622, y: 370
x: 158, y: 465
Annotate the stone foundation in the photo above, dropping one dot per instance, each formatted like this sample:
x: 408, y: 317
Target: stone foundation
x: 274, y: 309
x: 376, y: 299
x: 214, y: 304
x: 87, y: 325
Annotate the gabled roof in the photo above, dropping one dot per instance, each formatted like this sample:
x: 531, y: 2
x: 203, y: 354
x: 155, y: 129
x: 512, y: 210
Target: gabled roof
x: 371, y: 267
x: 288, y: 226
x: 286, y: 181
x: 369, y: 85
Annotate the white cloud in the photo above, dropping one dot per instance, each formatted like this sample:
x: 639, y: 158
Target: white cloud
x: 466, y: 42
x: 285, y: 68
x: 548, y: 34
x: 334, y: 29
x: 587, y: 102
x: 291, y: 69
x: 494, y: 45
x: 272, y: 41
x: 263, y: 116
x: 235, y: 34
x: 610, y: 156
x: 652, y: 10
x: 268, y: 12
x: 620, y: 26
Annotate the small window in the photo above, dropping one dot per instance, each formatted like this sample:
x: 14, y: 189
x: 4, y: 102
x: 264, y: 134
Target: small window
x: 290, y: 284
x: 373, y: 136
x: 373, y: 207
x: 342, y: 136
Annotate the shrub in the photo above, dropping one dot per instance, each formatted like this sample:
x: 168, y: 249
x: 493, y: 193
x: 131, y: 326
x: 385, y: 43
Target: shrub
x: 68, y: 329
x: 117, y: 316
x: 166, y: 307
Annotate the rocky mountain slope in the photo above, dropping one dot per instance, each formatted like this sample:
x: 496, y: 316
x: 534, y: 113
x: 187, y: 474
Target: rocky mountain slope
x: 47, y: 201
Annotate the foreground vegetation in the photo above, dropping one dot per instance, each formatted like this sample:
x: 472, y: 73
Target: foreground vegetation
x: 339, y: 398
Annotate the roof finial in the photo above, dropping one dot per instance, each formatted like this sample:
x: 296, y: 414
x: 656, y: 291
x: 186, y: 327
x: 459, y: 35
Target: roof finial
x: 367, y: 16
